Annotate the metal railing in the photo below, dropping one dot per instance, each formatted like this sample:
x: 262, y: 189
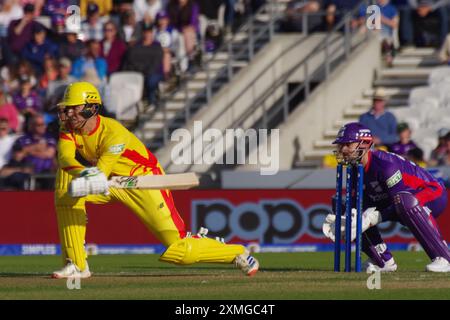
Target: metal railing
x: 347, y: 46
x: 245, y: 53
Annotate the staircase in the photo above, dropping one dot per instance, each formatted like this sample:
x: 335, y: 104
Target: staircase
x: 411, y: 68
x: 198, y: 88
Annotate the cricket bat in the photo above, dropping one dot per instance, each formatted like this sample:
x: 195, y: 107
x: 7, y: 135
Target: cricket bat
x: 178, y: 181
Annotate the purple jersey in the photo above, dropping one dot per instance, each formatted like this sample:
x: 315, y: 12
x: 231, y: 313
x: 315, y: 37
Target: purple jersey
x: 386, y: 174
x: 39, y: 164
x: 402, y: 148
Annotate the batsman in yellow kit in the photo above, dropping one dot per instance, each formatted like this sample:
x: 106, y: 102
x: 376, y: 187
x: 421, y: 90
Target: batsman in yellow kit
x: 112, y: 150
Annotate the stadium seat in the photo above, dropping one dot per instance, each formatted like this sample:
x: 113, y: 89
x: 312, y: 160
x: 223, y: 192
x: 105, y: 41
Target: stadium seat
x: 439, y: 75
x: 126, y: 93
x: 421, y: 94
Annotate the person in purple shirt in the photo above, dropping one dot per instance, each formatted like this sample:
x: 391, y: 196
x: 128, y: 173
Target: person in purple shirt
x: 395, y: 189
x: 405, y: 143
x: 38, y: 147
x: 26, y: 99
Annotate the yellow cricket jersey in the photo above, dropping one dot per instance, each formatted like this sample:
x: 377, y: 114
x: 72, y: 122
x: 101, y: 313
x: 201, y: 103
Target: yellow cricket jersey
x: 110, y: 147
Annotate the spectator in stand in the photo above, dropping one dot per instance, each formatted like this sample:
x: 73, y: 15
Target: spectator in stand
x: 444, y: 157
x: 9, y: 112
x: 104, y: 7
x: 57, y: 87
x: 129, y: 30
x: 17, y: 171
x: 146, y: 57
x: 27, y: 100
x: 293, y: 19
x: 92, y: 27
x: 381, y: 123
x: 389, y: 23
x: 50, y: 74
x: 405, y: 143
x: 12, y: 74
x: 6, y: 142
x: 91, y: 60
x: 429, y: 17
x: 39, y: 48
x: 149, y: 8
x: 416, y: 155
x: 112, y: 48
x: 38, y: 4
x: 55, y: 9
x: 213, y: 38
x: 184, y: 15
x: 10, y: 11
x: 209, y: 12
x: 71, y: 47
x: 406, y: 28
x: 20, y: 32
x: 336, y: 9
x: 440, y: 152
x: 169, y: 39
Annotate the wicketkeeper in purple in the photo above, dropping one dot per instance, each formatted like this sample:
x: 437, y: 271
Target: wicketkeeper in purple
x: 395, y: 189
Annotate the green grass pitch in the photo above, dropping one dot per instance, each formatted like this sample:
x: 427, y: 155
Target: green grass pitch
x: 282, y: 276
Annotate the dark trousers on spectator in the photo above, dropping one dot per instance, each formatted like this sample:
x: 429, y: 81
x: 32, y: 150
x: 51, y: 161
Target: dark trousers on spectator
x: 153, y: 81
x: 432, y: 29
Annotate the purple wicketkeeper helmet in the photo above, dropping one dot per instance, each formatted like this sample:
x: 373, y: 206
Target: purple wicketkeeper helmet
x: 353, y: 132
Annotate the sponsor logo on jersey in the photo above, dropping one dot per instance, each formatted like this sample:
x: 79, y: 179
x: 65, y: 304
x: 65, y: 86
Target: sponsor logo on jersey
x: 394, y: 179
x: 117, y: 148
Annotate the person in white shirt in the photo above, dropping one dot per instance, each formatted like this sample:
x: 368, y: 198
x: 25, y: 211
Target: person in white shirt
x: 6, y: 142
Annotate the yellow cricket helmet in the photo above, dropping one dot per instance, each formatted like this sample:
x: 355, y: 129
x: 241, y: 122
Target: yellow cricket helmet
x: 80, y: 93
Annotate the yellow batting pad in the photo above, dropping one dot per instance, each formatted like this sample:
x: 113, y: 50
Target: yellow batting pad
x: 193, y: 250
x: 72, y: 231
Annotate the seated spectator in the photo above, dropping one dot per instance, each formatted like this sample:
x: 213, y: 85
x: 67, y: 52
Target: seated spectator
x: 56, y: 88
x: 50, y: 73
x: 405, y: 143
x: 381, y: 123
x: 336, y: 9
x: 112, y: 48
x: 71, y: 47
x: 293, y: 16
x: 444, y: 160
x: 92, y: 27
x: 91, y: 60
x: 169, y: 39
x: 213, y: 38
x: 20, y: 32
x: 146, y: 57
x: 416, y: 155
x: 440, y: 152
x: 39, y: 48
x: 55, y: 9
x: 12, y: 74
x: 6, y: 142
x: 38, y: 147
x: 27, y: 100
x: 148, y: 8
x: 184, y: 15
x: 389, y: 22
x: 38, y: 5
x: 17, y: 172
x: 406, y: 29
x: 8, y: 112
x: 10, y: 11
x: 129, y: 29
x: 104, y: 7
x: 430, y: 19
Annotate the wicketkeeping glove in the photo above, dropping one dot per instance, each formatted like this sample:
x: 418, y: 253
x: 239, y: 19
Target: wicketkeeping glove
x: 91, y: 181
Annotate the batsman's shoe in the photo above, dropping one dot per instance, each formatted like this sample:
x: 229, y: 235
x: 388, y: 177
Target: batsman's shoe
x: 247, y: 263
x: 389, y: 266
x: 71, y: 270
x: 439, y: 264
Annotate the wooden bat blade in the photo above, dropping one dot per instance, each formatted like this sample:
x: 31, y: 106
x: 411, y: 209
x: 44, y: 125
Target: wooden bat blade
x: 178, y: 181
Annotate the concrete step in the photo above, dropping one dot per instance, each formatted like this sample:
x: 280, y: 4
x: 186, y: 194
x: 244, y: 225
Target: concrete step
x: 196, y: 85
x: 341, y: 122
x: 174, y: 105
x: 401, y: 82
x: 397, y: 92
x: 417, y: 52
x: 153, y: 125
x: 180, y: 95
x: 367, y: 103
x: 408, y: 62
x: 324, y: 144
x: 330, y: 133
x: 159, y: 115
x: 316, y: 154
x: 405, y: 73
x: 352, y: 112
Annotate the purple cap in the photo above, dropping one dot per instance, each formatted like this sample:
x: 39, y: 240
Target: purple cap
x: 353, y: 132
x: 161, y: 15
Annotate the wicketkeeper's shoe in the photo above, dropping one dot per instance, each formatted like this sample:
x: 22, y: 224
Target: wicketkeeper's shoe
x: 70, y: 270
x: 389, y: 266
x: 439, y: 264
x: 247, y: 263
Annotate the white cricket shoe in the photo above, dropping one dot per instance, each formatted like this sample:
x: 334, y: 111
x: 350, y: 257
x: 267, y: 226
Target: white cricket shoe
x: 247, y: 263
x: 71, y: 270
x: 439, y: 264
x: 389, y: 266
